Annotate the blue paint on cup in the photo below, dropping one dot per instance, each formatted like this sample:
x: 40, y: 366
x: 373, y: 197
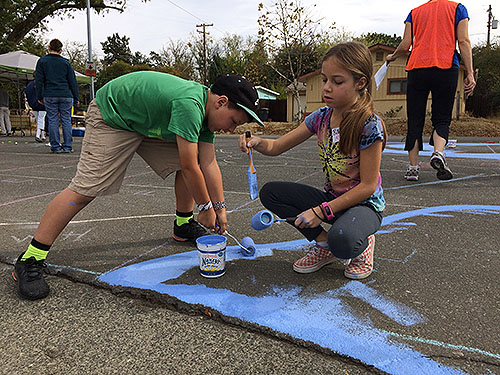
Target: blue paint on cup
x: 212, y: 255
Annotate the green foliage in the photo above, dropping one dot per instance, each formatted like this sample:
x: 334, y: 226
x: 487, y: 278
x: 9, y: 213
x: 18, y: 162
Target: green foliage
x: 117, y: 69
x: 370, y: 39
x: 236, y: 55
x: 485, y: 101
x: 175, y: 59
x: 34, y: 45
x: 116, y: 48
x: 20, y: 17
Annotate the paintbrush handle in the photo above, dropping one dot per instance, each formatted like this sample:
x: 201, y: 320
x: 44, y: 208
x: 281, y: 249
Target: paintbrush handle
x: 290, y: 220
x: 251, y: 168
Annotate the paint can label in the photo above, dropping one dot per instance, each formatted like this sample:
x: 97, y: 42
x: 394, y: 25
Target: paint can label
x: 212, y: 255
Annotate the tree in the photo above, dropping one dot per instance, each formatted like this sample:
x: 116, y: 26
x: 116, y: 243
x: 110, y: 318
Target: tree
x: 289, y: 32
x: 486, y: 99
x: 77, y: 54
x: 176, y: 58
x: 34, y: 45
x: 370, y: 39
x: 19, y: 17
x: 116, y: 48
x: 228, y: 56
x: 197, y: 50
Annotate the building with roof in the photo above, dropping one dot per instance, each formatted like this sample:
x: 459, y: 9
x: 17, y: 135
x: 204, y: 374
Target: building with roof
x: 390, y: 98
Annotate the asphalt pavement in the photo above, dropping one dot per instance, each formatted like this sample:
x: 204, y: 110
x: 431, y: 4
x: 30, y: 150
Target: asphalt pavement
x: 126, y: 298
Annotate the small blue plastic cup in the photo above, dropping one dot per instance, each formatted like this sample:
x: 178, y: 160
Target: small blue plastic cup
x: 262, y: 220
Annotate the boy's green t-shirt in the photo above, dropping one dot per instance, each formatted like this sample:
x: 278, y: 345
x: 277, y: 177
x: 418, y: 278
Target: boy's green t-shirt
x: 157, y: 105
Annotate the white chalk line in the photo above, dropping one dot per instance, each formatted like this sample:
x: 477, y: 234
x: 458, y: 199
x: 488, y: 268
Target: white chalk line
x: 118, y: 218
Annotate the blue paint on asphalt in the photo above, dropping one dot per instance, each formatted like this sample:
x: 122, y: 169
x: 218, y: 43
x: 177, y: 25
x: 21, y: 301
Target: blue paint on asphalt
x: 467, y: 208
x: 335, y: 325
x: 398, y: 148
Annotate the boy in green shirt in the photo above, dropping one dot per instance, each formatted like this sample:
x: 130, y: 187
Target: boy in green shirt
x: 170, y: 123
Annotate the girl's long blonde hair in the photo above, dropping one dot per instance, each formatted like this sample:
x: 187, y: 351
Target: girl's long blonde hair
x: 355, y: 58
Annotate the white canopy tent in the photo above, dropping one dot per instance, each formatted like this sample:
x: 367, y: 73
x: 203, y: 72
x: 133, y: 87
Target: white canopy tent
x: 21, y: 65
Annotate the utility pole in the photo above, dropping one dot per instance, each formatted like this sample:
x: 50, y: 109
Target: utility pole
x: 489, y: 27
x: 204, y: 32
x: 89, y: 41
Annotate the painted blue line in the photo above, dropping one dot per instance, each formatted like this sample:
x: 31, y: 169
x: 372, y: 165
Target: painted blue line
x: 439, y: 215
x: 390, y: 260
x: 402, y: 261
x: 474, y: 209
x: 408, y: 257
x: 398, y: 148
x: 442, y: 344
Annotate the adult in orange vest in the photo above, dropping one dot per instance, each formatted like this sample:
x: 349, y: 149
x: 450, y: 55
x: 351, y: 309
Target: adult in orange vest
x: 432, y: 31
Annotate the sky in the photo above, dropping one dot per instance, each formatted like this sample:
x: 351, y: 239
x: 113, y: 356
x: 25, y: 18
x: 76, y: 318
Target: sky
x: 151, y: 25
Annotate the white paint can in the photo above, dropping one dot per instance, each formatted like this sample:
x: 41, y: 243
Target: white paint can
x: 212, y: 254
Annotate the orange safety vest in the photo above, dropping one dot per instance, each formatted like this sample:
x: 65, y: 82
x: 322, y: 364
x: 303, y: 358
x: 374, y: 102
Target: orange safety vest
x: 433, y: 35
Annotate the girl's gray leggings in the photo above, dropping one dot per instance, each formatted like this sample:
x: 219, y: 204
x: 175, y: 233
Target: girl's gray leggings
x: 349, y: 231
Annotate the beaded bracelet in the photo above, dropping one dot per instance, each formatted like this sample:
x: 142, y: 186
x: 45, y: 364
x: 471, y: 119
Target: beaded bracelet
x: 219, y: 205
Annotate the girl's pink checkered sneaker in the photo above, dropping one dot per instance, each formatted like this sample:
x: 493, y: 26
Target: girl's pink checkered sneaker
x: 362, y: 266
x: 315, y: 258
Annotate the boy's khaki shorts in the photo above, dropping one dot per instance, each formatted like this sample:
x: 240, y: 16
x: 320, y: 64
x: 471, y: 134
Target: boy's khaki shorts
x: 107, y: 152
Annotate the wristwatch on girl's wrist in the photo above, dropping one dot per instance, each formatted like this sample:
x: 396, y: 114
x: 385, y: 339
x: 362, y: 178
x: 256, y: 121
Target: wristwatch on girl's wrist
x: 327, y: 211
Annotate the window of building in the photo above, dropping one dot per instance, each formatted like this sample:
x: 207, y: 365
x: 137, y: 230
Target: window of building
x: 397, y: 86
x: 379, y: 56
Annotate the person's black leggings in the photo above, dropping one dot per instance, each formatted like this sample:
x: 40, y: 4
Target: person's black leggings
x: 442, y: 84
x: 348, y: 235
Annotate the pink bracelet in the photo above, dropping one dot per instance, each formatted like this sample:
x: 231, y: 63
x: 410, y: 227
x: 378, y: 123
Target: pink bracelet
x: 327, y: 210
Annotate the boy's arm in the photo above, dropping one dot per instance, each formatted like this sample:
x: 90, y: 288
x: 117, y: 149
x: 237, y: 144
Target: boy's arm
x: 213, y: 179
x: 195, y: 180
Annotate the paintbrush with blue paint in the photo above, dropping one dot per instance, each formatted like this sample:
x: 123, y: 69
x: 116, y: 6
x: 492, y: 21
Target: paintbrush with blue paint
x: 252, y: 175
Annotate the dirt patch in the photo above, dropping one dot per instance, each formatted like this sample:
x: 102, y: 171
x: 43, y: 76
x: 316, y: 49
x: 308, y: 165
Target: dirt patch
x: 465, y: 127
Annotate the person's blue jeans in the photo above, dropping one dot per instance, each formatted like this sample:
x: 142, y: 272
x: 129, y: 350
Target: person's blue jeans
x: 59, y: 108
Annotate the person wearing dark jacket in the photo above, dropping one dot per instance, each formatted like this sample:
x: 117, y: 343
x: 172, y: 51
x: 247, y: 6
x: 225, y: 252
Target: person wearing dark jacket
x: 56, y: 88
x: 38, y: 111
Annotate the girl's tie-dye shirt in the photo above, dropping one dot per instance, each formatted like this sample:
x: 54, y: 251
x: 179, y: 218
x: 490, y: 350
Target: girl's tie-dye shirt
x: 342, y: 171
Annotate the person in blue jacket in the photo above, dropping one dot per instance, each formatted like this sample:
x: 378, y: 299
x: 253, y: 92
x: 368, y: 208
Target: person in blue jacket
x: 56, y: 88
x: 38, y: 111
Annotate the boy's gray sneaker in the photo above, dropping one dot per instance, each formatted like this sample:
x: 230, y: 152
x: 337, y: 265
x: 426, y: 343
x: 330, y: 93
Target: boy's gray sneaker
x: 438, y: 162
x: 29, y: 277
